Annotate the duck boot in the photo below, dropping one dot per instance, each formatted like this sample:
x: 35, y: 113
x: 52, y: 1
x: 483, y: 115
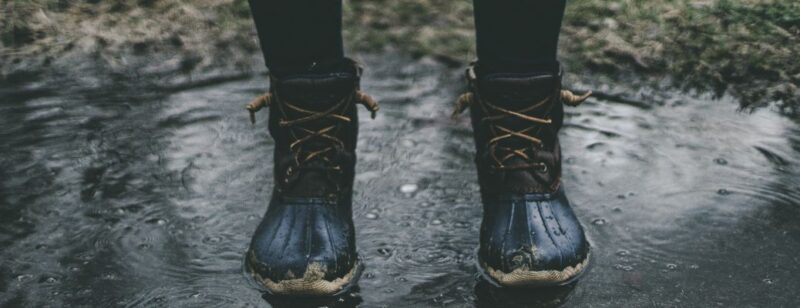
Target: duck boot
x: 529, y: 235
x: 305, y: 244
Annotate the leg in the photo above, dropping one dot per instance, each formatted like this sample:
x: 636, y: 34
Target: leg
x: 529, y: 234
x: 299, y: 35
x: 517, y: 36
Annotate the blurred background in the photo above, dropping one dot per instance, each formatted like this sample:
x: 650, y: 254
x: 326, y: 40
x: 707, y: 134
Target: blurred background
x: 131, y: 176
x: 747, y: 48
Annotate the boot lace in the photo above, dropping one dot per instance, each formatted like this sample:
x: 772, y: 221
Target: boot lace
x: 500, y: 153
x: 324, y: 140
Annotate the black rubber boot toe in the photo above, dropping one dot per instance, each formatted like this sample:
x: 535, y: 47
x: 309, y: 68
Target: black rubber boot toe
x: 304, y: 247
x: 532, y: 239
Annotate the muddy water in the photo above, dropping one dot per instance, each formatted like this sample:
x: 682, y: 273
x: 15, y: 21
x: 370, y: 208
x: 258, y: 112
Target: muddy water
x: 129, y: 196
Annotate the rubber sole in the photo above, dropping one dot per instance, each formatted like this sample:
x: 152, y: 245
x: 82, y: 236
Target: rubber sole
x: 520, y: 278
x: 308, y: 286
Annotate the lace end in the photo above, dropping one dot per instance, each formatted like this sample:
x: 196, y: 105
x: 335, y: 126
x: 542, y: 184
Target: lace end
x: 257, y: 104
x: 368, y: 102
x: 461, y: 104
x: 570, y: 99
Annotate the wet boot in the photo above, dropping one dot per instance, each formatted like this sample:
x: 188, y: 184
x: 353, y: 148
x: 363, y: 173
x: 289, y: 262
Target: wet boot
x: 305, y: 244
x: 529, y: 234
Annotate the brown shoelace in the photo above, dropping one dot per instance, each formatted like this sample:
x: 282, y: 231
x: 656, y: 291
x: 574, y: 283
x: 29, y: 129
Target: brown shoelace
x: 501, y: 154
x: 302, y: 135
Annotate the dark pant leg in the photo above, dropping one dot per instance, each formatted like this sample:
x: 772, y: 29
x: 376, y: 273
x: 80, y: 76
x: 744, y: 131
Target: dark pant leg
x: 517, y: 36
x: 299, y: 36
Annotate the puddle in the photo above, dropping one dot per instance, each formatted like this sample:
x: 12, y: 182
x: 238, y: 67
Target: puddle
x: 124, y: 197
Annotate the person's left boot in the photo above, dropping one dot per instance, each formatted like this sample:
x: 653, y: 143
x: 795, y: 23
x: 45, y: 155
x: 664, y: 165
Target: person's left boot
x: 529, y: 234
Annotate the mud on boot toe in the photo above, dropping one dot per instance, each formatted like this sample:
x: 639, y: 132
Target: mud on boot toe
x: 532, y: 240
x: 304, y: 249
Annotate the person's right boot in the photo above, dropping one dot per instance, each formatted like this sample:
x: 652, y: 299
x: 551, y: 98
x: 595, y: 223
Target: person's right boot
x: 305, y: 244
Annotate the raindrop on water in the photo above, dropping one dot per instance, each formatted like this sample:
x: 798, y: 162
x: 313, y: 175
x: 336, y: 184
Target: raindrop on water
x: 109, y: 276
x: 156, y: 221
x: 48, y: 279
x: 24, y: 277
x: 408, y: 188
x: 212, y: 239
x: 720, y: 161
x: 767, y: 281
x: 461, y: 224
x: 371, y: 215
x: 623, y: 253
x: 621, y: 267
x: 598, y: 222
x: 426, y: 204
x: 385, y: 252
x: 723, y: 192
x: 408, y: 143
x: 436, y: 222
x: 672, y: 266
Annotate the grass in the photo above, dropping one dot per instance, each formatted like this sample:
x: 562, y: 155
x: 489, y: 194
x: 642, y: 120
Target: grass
x: 746, y: 48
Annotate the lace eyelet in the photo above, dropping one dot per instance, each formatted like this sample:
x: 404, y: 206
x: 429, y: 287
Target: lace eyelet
x: 542, y: 167
x: 332, y: 198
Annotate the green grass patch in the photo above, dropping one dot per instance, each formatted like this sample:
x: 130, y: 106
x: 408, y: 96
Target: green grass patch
x: 748, y: 48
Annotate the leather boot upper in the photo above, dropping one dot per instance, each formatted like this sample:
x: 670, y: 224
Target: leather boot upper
x: 516, y: 119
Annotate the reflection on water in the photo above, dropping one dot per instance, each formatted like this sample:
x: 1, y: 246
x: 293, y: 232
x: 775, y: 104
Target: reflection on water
x: 489, y: 296
x: 349, y: 299
x: 124, y: 195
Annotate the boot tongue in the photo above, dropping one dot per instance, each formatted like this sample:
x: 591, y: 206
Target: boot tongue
x: 316, y: 92
x: 516, y: 92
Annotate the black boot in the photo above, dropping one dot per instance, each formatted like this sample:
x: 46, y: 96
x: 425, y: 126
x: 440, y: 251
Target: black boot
x: 529, y: 234
x: 305, y: 245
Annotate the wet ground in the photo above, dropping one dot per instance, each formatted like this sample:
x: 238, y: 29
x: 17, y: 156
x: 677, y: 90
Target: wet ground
x: 129, y: 196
